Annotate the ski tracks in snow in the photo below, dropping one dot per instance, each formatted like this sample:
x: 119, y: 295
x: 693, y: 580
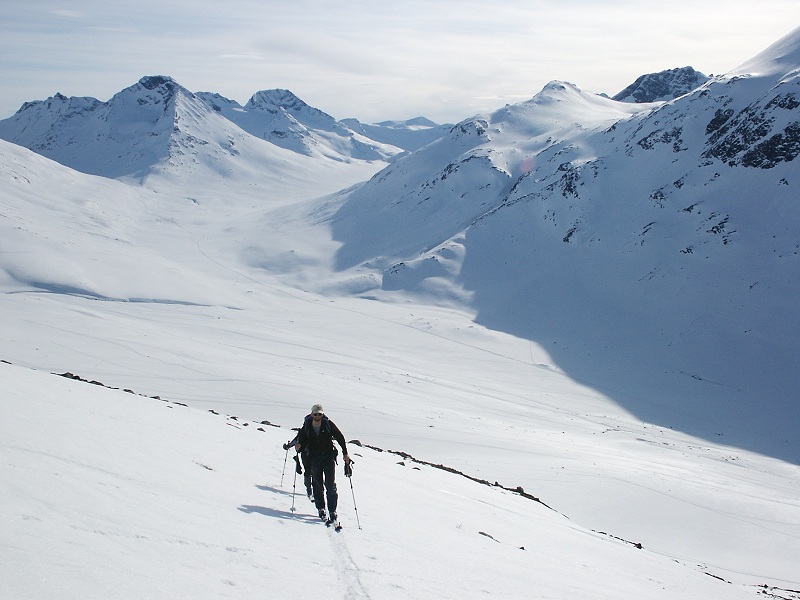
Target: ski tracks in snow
x: 346, y: 569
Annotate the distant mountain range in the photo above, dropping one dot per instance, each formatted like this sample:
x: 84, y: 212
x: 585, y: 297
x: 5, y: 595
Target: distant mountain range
x: 157, y: 121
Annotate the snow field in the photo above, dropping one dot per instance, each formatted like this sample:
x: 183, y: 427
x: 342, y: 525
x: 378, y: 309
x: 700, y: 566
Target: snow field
x: 111, y: 494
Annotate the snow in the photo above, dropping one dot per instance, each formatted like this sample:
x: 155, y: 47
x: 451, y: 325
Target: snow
x: 111, y: 494
x: 783, y: 54
x: 224, y: 289
x: 628, y: 240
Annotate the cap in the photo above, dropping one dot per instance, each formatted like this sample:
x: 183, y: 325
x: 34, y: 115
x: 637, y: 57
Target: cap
x: 317, y: 408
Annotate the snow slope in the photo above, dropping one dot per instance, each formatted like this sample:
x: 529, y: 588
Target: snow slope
x: 209, y: 310
x: 651, y: 248
x: 110, y: 494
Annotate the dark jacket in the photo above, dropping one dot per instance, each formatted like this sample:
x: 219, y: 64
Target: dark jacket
x: 320, y: 446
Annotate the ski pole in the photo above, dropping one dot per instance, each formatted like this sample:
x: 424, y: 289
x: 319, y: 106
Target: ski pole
x: 348, y: 471
x: 285, y: 458
x: 294, y: 489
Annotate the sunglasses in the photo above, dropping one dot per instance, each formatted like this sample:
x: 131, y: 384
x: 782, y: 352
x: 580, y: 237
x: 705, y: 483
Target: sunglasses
x: 317, y: 414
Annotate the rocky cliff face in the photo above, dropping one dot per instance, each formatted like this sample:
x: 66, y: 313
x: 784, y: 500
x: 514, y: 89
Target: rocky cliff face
x: 666, y: 85
x: 761, y: 135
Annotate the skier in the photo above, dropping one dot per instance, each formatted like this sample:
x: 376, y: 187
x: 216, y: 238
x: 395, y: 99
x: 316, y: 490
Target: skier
x: 316, y: 438
x: 306, y: 468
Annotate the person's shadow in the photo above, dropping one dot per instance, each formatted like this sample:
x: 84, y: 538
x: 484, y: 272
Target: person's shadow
x: 274, y: 490
x: 275, y: 513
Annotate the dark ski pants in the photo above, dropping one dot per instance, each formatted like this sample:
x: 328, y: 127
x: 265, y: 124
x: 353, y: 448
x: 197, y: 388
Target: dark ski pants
x: 306, y: 472
x: 324, y: 472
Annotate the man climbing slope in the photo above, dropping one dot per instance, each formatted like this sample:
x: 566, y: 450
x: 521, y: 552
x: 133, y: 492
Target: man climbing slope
x: 316, y: 438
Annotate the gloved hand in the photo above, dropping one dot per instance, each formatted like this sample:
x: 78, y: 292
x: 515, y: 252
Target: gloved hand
x: 348, y: 468
x: 298, y: 469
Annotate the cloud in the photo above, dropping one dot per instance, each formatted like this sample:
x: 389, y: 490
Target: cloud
x: 373, y: 60
x: 67, y: 14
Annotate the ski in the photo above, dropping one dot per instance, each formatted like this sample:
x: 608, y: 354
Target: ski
x: 337, y: 526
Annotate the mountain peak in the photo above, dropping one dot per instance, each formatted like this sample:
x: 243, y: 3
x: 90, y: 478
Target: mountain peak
x: 153, y: 89
x: 662, y: 86
x: 152, y: 82
x: 278, y: 98
x: 415, y: 122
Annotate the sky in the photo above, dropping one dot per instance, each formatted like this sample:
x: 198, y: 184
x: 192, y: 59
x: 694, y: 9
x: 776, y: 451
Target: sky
x: 445, y: 59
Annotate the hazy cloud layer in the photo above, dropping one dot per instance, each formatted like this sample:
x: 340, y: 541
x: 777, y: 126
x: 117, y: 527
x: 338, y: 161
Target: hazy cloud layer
x: 447, y: 60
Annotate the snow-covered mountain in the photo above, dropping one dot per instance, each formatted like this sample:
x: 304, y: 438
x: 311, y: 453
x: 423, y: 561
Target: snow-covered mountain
x: 409, y: 135
x: 283, y: 119
x: 642, y: 243
x: 157, y: 125
x: 665, y: 85
x: 133, y: 131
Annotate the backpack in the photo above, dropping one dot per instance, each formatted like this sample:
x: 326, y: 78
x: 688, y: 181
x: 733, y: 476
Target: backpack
x: 324, y: 427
